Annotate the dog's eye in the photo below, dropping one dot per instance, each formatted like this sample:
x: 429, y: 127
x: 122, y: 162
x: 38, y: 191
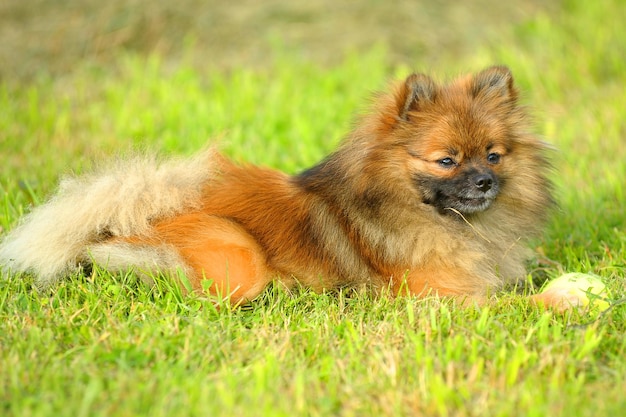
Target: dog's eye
x: 447, y: 162
x: 493, y: 158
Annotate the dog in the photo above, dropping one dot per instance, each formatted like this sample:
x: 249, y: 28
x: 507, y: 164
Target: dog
x: 436, y: 191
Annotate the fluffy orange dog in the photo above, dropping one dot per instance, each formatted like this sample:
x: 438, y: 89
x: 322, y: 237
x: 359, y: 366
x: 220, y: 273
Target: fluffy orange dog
x: 437, y: 190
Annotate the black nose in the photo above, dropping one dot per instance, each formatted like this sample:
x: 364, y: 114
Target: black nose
x: 483, y: 182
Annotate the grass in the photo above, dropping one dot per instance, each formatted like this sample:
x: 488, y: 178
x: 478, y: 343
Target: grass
x: 109, y: 345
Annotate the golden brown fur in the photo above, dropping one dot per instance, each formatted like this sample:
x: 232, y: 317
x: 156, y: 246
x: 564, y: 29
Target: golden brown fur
x: 437, y: 190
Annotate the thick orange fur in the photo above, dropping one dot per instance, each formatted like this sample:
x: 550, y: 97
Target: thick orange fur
x: 357, y: 217
x: 375, y: 212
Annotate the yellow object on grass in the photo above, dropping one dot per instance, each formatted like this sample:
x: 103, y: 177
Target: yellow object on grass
x: 579, y: 289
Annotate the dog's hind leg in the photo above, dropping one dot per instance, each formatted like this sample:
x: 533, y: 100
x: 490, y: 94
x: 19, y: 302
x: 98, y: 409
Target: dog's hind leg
x: 214, y: 253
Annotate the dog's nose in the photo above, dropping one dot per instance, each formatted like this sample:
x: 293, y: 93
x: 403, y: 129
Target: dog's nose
x: 483, y: 182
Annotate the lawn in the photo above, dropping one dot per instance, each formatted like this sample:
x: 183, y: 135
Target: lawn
x: 111, y: 346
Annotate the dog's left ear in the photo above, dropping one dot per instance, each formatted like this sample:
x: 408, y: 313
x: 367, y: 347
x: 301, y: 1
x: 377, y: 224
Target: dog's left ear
x: 417, y: 90
x: 495, y: 81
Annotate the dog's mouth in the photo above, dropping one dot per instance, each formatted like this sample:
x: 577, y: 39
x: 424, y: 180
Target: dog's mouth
x: 462, y: 204
x: 466, y: 195
x: 469, y: 205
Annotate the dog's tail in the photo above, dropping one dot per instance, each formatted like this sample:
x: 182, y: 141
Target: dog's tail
x: 121, y: 201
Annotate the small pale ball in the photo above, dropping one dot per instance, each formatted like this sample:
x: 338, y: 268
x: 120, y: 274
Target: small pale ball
x: 577, y: 286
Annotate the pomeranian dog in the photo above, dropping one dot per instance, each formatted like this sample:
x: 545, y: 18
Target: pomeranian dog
x: 436, y: 191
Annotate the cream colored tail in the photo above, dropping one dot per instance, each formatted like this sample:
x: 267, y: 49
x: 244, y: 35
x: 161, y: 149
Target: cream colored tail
x: 122, y: 200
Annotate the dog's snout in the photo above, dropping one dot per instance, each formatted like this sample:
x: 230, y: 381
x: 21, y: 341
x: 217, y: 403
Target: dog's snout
x: 484, y: 182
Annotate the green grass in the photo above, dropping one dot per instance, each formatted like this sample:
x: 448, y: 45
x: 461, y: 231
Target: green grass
x: 109, y: 345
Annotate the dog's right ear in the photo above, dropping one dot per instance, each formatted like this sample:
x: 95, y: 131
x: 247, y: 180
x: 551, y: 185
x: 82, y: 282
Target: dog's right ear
x: 417, y: 90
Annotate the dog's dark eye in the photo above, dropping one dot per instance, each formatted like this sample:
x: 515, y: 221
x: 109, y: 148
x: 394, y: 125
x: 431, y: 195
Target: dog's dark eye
x: 493, y: 158
x: 447, y: 162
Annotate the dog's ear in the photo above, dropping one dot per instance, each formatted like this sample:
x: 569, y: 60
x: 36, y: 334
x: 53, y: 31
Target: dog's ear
x: 495, y: 81
x: 417, y: 90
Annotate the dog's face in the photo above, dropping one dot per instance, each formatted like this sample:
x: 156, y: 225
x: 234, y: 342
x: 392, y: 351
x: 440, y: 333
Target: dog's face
x: 458, y: 139
x: 453, y: 169
x: 463, y: 185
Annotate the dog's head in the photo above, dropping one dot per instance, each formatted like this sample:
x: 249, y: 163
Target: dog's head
x: 457, y: 143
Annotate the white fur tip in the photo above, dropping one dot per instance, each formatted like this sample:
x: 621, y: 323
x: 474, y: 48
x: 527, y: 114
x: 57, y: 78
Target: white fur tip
x: 122, y: 200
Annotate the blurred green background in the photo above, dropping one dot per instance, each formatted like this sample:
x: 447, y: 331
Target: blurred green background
x: 56, y: 36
